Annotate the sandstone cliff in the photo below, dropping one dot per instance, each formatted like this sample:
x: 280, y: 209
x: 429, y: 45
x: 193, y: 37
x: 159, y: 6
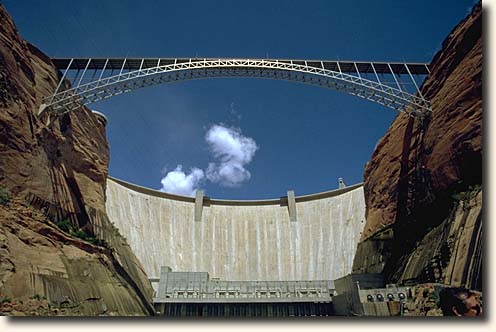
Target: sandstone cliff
x: 420, y: 169
x: 56, y: 175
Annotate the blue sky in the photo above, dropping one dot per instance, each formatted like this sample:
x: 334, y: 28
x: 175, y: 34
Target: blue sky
x: 307, y: 137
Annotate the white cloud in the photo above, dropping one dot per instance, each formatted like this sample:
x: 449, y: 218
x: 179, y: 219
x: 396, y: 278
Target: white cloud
x: 234, y: 151
x: 227, y: 174
x: 234, y: 115
x: 180, y: 183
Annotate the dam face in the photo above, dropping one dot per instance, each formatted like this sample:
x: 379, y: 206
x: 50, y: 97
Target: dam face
x: 241, y: 240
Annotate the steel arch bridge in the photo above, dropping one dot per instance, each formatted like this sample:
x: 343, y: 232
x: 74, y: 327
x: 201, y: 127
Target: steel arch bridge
x: 88, y: 80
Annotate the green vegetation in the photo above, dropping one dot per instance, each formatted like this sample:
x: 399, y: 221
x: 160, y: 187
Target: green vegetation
x: 465, y: 196
x: 66, y: 226
x: 88, y: 238
x: 38, y: 297
x: 5, y: 300
x: 4, y: 196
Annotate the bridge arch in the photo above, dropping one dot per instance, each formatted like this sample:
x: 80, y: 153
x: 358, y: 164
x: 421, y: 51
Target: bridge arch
x: 328, y: 74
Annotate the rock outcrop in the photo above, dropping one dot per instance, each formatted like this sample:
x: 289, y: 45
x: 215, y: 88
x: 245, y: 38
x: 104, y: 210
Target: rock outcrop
x: 58, y: 173
x: 421, y: 168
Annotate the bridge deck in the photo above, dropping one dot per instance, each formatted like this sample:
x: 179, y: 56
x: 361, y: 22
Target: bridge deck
x: 343, y: 66
x: 393, y: 84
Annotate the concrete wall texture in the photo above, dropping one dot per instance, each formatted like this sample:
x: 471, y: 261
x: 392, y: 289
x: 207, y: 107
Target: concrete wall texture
x: 241, y: 240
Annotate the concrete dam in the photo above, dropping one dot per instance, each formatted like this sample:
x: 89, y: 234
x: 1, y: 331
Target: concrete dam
x: 312, y: 237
